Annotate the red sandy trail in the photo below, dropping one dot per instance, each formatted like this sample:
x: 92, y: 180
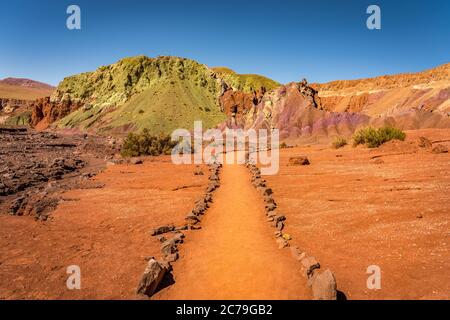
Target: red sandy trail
x: 234, y: 255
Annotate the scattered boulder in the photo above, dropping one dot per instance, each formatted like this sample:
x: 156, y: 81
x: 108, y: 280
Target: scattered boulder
x: 152, y: 277
x: 439, y: 149
x: 299, y: 161
x: 17, y: 205
x: 163, y: 229
x: 136, y: 161
x: 424, y: 143
x: 324, y: 286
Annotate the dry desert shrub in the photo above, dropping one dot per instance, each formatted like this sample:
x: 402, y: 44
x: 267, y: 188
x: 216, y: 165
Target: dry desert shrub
x: 339, y: 142
x: 376, y: 137
x: 145, y: 144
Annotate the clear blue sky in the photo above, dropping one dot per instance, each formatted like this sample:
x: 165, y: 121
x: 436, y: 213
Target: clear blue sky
x: 285, y: 40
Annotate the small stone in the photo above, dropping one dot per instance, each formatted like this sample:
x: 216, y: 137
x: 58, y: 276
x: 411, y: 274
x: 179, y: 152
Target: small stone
x: 161, y: 239
x: 286, y: 236
x: 162, y: 230
x: 136, y: 161
x: 192, y: 218
x: 270, y: 219
x: 419, y: 216
x: 424, y: 143
x: 299, y: 161
x: 199, y: 172
x: 282, y: 243
x: 214, y: 177
x: 439, y: 149
x: 195, y: 227
x: 172, y: 257
x: 309, y: 264
x: 280, y: 225
x: 208, y: 197
x: 185, y: 227
x: 324, y: 286
x: 178, y: 237
x: 297, y: 253
x: 277, y: 234
x: 169, y: 247
x: 270, y: 207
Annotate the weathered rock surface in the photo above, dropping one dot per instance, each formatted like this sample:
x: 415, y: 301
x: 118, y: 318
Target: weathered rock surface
x: 152, y: 277
x: 324, y: 286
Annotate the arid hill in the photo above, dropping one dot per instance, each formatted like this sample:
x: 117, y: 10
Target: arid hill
x: 160, y: 94
x: 386, y: 95
x: 16, y: 95
x: 165, y: 93
x: 24, y: 89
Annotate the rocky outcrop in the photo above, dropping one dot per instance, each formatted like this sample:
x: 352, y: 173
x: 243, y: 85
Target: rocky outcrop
x: 299, y: 112
x: 387, y: 95
x: 8, y: 106
x: 45, y: 111
x: 296, y: 111
x: 236, y: 104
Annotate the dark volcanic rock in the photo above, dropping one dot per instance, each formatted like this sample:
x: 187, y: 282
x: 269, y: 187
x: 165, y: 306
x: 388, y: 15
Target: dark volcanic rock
x: 31, y: 162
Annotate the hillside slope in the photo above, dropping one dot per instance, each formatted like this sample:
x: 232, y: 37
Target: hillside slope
x: 160, y: 94
x: 295, y: 112
x: 386, y: 95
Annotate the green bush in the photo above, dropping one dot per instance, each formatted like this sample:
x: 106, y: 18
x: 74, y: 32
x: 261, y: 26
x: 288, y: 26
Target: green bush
x: 376, y: 137
x: 339, y: 142
x: 145, y: 144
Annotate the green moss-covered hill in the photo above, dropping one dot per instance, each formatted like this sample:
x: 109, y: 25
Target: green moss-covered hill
x: 160, y: 94
x: 246, y: 83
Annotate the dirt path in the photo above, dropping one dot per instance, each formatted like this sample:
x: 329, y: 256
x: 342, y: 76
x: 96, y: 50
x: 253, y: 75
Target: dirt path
x: 235, y: 255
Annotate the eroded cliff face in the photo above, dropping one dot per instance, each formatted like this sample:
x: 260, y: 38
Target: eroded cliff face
x: 296, y: 111
x: 45, y: 111
x: 388, y: 95
x: 300, y: 114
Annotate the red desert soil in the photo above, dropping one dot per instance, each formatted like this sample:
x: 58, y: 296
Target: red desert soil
x: 105, y: 231
x: 235, y: 255
x: 351, y: 211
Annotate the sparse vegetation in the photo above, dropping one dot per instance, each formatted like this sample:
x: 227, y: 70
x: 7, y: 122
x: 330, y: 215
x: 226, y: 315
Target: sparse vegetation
x: 376, y: 137
x: 144, y: 143
x: 339, y: 142
x: 22, y: 119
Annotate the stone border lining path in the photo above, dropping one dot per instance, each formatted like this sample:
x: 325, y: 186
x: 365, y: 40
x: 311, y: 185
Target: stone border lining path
x: 323, y: 284
x: 157, y: 269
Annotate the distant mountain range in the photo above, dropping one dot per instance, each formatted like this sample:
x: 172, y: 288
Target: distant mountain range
x: 24, y: 89
x: 165, y: 93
